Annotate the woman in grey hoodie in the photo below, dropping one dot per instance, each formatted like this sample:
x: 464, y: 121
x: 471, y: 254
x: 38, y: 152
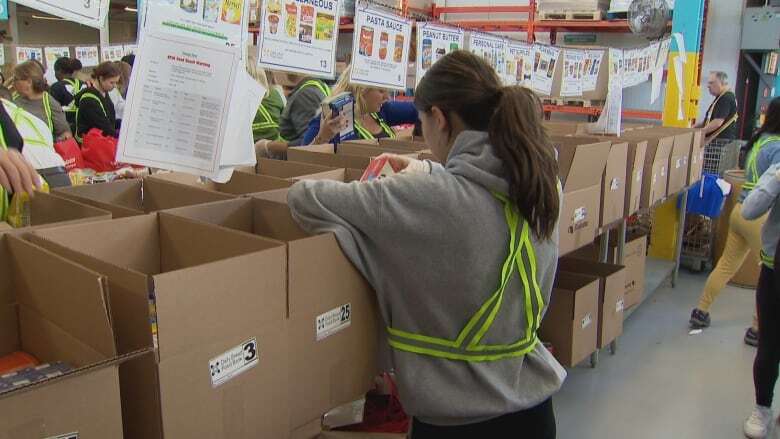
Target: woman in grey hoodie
x: 462, y: 256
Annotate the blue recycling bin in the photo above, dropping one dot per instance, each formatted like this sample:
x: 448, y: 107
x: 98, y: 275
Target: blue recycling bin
x: 706, y: 197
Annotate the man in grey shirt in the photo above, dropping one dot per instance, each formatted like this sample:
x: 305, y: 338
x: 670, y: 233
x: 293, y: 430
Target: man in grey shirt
x: 302, y: 106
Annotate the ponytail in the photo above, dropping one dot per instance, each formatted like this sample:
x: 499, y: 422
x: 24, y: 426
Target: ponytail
x: 468, y: 86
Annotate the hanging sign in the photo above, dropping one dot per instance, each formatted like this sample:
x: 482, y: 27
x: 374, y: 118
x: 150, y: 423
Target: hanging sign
x: 545, y: 61
x: 609, y: 121
x: 658, y: 70
x: 433, y: 42
x: 519, y: 63
x: 52, y: 55
x: 380, y: 50
x: 573, y: 65
x: 491, y: 48
x: 591, y: 69
x: 90, y: 13
x: 27, y: 53
x: 217, y: 21
x: 88, y: 55
x: 299, y: 36
x: 112, y: 53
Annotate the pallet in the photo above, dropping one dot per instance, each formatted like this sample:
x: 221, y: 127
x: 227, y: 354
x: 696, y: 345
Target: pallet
x: 571, y: 15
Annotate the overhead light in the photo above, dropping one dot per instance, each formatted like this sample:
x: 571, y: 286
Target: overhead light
x: 42, y: 17
x: 129, y: 9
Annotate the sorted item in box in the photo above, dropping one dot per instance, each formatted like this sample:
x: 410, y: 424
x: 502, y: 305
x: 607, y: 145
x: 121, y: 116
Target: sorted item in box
x: 16, y: 361
x: 382, y: 412
x: 378, y: 168
x: 32, y: 375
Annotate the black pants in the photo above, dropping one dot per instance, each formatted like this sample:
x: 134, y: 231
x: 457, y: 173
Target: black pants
x: 768, y: 355
x: 535, y: 423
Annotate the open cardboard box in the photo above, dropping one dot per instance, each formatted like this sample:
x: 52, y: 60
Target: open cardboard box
x: 332, y: 312
x: 351, y: 156
x: 581, y: 164
x: 125, y: 198
x: 679, y: 159
x: 612, y: 280
x: 294, y: 171
x: 240, y: 183
x: 571, y: 322
x: 56, y: 311
x: 340, y: 175
x: 50, y: 210
x: 656, y: 169
x: 220, y: 365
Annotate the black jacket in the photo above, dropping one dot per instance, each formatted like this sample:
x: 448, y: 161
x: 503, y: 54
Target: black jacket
x: 91, y: 114
x: 12, y: 137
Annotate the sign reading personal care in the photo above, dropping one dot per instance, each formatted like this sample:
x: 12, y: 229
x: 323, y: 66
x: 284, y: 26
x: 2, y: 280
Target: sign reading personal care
x: 433, y: 42
x: 88, y: 55
x: 545, y: 62
x: 380, y: 50
x: 573, y: 65
x: 90, y: 13
x: 519, y: 63
x: 299, y: 36
x: 28, y: 53
x: 491, y: 48
x: 218, y: 21
x: 112, y: 53
x: 591, y: 69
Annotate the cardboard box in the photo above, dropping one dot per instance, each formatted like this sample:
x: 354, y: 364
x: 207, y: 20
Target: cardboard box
x: 696, y: 160
x: 634, y: 259
x: 412, y: 145
x: 329, y: 366
x: 634, y: 176
x: 571, y: 322
x: 60, y: 316
x: 656, y: 168
x: 241, y: 183
x: 612, y: 281
x: 220, y: 368
x: 371, y: 150
x: 679, y: 156
x: 325, y: 155
x: 613, y: 184
x: 581, y: 164
x: 135, y: 197
x: 294, y: 171
x: 50, y: 210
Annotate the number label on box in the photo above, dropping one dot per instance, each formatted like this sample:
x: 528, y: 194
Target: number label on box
x: 234, y: 362
x: 580, y: 214
x: 620, y: 306
x: 615, y: 185
x: 639, y: 176
x: 333, y: 321
x: 587, y: 320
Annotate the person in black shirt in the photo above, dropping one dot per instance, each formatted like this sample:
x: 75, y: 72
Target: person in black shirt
x: 67, y: 86
x: 95, y: 109
x: 721, y: 119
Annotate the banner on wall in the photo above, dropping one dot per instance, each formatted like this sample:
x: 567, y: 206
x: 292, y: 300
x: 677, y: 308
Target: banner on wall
x: 299, y: 36
x: 433, y: 42
x: 491, y: 48
x: 610, y: 120
x: 545, y: 62
x: 92, y: 13
x: 27, y: 53
x: 217, y: 21
x: 591, y: 69
x: 573, y: 66
x: 112, y: 53
x: 52, y: 54
x: 88, y: 55
x: 380, y: 50
x: 519, y: 63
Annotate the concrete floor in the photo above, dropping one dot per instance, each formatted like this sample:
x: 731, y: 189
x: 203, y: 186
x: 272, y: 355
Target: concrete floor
x: 663, y: 382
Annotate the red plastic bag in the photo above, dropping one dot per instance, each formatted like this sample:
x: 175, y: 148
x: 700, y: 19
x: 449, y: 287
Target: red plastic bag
x: 383, y: 413
x: 70, y: 151
x: 99, y: 151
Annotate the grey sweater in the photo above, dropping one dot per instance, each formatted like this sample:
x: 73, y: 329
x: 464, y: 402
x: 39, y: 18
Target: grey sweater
x: 302, y: 105
x: 432, y: 246
x: 758, y: 202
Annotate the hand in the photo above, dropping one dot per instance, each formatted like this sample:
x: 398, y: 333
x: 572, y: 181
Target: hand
x: 17, y: 174
x: 399, y: 163
x: 329, y: 128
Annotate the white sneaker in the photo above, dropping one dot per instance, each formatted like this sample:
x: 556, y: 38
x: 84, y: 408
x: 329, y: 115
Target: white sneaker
x: 757, y: 425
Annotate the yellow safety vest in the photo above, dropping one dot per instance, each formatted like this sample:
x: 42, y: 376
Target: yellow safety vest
x: 752, y: 161
x: 319, y: 85
x: 47, y: 111
x: 468, y: 345
x: 20, y: 116
x: 77, y: 135
x: 367, y: 135
x: 76, y: 84
x: 4, y: 201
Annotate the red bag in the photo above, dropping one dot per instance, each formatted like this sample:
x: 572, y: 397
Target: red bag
x: 99, y: 151
x: 382, y: 413
x: 70, y: 151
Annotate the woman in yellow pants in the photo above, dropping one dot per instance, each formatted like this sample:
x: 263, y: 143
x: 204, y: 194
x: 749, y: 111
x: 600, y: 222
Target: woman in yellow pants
x: 743, y: 235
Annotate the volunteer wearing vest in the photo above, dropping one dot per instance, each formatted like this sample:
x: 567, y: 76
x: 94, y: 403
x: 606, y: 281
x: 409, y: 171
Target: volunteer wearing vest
x: 67, y: 86
x: 763, y: 151
x: 303, y: 104
x: 374, y: 115
x: 265, y: 125
x: 16, y: 173
x: 94, y: 108
x: 462, y: 256
x: 33, y: 97
x: 761, y: 199
x: 721, y: 119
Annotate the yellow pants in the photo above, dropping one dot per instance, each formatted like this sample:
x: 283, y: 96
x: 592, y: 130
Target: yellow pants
x: 743, y: 237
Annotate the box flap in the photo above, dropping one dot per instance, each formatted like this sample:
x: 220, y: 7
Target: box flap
x: 286, y: 169
x: 184, y: 178
x: 48, y: 208
x: 242, y: 183
x: 9, y: 329
x: 327, y: 159
x: 279, y: 195
x: 122, y: 198
x: 69, y: 296
x: 234, y: 214
x: 369, y: 151
x: 409, y: 145
x: 161, y: 195
x: 274, y: 220
x: 581, y: 161
x: 335, y: 175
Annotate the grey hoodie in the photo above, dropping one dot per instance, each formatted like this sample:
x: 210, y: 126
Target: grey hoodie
x: 432, y: 246
x: 762, y: 198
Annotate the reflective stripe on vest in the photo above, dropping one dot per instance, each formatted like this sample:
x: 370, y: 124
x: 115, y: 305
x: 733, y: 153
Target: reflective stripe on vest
x: 767, y: 260
x: 4, y: 201
x: 368, y: 135
x: 267, y: 123
x: 77, y: 135
x: 76, y: 86
x: 47, y: 111
x: 752, y: 161
x: 314, y: 83
x: 522, y: 259
x: 19, y: 116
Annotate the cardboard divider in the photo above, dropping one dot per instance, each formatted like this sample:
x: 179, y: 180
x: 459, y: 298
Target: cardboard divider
x: 332, y: 365
x: 50, y: 210
x: 241, y: 183
x: 215, y: 299
x: 294, y: 171
x: 354, y: 156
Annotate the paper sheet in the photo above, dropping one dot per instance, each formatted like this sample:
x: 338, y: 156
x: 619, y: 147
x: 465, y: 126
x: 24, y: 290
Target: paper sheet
x: 380, y: 49
x: 573, y: 65
x: 27, y: 53
x: 610, y: 120
x: 433, y: 42
x: 545, y: 61
x: 90, y: 13
x: 592, y: 69
x: 52, y: 54
x: 214, y: 21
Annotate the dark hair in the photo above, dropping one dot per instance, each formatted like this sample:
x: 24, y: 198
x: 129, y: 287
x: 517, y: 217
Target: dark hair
x: 67, y: 66
x: 771, y: 125
x: 464, y: 84
x: 30, y: 70
x: 129, y: 58
x: 106, y: 69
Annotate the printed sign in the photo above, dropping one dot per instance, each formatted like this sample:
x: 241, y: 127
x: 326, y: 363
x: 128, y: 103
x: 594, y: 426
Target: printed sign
x: 433, y: 42
x: 90, y: 13
x: 620, y: 305
x: 112, y: 53
x: 55, y: 53
x: 610, y: 119
x: 380, y: 50
x: 491, y: 48
x: 591, y: 69
x: 519, y: 63
x: 587, y: 320
x: 27, y: 53
x: 545, y: 62
x: 333, y: 321
x: 88, y: 55
x: 218, y: 21
x: 299, y: 36
x: 234, y: 362
x: 573, y: 66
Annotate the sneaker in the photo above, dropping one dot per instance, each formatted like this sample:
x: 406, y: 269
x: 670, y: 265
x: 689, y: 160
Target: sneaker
x: 699, y: 319
x: 751, y: 337
x: 757, y: 425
